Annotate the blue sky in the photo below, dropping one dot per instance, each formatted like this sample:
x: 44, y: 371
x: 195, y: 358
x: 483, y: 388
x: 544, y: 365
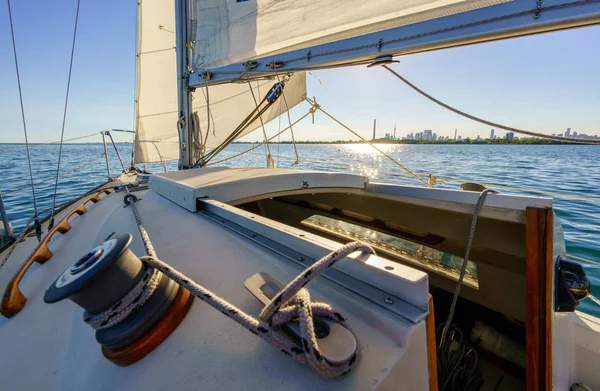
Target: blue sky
x: 542, y: 83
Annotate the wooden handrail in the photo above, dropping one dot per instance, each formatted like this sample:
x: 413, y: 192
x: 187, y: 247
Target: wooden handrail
x: 13, y: 299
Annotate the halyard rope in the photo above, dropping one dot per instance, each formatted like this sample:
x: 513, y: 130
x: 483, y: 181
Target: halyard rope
x: 290, y: 305
x: 478, y: 205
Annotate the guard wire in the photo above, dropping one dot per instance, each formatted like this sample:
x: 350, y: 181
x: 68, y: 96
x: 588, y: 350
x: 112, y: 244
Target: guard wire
x: 62, y: 132
x: 38, y: 226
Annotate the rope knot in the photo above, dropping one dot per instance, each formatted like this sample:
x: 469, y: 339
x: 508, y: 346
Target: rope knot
x: 293, y: 304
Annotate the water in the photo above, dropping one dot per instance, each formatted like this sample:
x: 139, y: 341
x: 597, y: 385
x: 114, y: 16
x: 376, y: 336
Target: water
x: 566, y: 169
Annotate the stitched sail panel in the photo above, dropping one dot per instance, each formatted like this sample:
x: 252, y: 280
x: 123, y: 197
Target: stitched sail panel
x: 157, y: 137
x: 233, y: 31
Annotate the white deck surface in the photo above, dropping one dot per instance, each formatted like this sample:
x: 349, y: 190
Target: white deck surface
x: 234, y: 184
x: 49, y: 347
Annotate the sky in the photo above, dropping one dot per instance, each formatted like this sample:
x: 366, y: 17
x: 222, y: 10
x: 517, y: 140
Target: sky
x: 542, y: 83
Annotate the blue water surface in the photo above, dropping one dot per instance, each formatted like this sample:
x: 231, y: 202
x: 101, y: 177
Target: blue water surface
x: 563, y: 169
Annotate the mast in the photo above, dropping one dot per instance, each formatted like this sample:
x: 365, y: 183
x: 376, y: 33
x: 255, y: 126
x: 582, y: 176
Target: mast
x: 184, y: 96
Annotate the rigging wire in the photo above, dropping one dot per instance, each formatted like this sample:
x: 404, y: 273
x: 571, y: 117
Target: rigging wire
x: 480, y: 120
x: 262, y: 124
x: 289, y: 121
x: 62, y: 132
x: 584, y: 259
x: 38, y: 226
x: 315, y: 105
x: 269, y: 99
x: 448, y: 179
x: 258, y: 145
x: 279, y: 133
x: 50, y: 143
x: 51, y: 178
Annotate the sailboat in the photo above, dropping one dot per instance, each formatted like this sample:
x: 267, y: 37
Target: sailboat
x: 214, y: 277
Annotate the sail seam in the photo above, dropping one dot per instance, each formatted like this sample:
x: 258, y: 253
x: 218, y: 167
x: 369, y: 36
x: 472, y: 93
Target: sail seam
x: 447, y: 29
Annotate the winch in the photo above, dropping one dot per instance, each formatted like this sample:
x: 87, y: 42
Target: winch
x: 111, y: 284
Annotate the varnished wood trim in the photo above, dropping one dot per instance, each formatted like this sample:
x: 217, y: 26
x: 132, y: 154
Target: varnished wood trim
x: 538, y: 274
x: 432, y: 348
x: 140, y: 348
x: 13, y: 299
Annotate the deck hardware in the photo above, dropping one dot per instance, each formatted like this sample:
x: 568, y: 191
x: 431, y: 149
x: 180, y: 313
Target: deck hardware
x: 383, y: 60
x: 388, y: 300
x: 249, y: 65
x: 304, y: 184
x: 300, y: 259
x: 368, y: 292
x: 275, y: 92
x: 538, y: 9
x: 102, y: 282
x: 275, y: 64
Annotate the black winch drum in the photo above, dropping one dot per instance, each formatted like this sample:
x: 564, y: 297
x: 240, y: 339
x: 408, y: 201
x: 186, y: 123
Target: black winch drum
x: 102, y: 277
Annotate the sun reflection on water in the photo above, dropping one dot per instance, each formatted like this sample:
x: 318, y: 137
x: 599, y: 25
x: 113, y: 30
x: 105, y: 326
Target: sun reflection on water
x: 366, y: 160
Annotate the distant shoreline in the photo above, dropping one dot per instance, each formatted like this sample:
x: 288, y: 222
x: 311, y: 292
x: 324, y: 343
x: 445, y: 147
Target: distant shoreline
x: 525, y: 141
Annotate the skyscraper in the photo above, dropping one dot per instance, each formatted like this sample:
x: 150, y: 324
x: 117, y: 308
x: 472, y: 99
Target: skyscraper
x: 492, y: 134
x: 374, y: 126
x: 568, y: 132
x: 394, y: 130
x: 510, y: 136
x: 455, y: 130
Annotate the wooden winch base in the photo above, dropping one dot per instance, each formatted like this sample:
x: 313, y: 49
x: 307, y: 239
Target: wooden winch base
x: 140, y: 348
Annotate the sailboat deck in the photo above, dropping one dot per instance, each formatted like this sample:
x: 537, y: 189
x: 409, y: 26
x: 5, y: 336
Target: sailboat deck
x: 207, y: 350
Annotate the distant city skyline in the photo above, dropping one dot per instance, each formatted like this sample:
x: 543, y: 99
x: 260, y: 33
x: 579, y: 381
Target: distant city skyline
x: 430, y: 135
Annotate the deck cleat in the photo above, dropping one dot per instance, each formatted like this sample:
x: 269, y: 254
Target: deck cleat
x: 337, y: 344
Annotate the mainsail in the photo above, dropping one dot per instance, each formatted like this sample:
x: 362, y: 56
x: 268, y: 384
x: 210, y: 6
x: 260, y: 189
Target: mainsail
x: 157, y: 137
x: 302, y: 35
x: 234, y: 41
x: 229, y: 32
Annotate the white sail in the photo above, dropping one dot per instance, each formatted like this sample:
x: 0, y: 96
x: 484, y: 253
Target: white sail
x: 231, y: 103
x: 232, y: 31
x: 157, y: 137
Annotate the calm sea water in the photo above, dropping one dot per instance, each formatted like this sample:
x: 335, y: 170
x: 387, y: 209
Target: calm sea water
x: 565, y: 169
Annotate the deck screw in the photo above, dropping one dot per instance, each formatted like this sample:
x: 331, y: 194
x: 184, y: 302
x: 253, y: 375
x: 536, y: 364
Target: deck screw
x: 301, y: 259
x: 252, y: 235
x: 388, y: 300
